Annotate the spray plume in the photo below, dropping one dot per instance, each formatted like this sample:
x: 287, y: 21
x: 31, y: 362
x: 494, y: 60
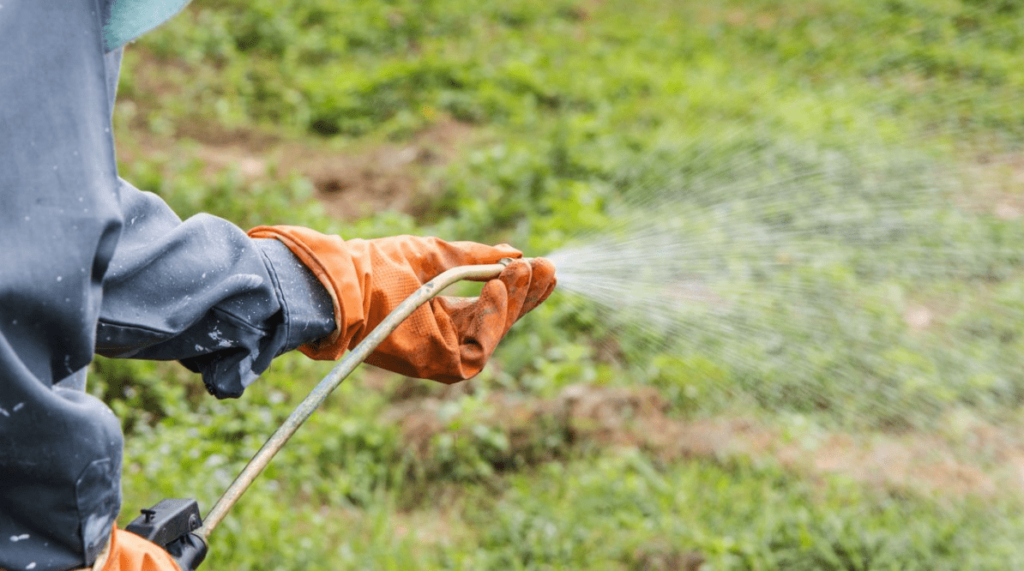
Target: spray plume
x: 878, y: 285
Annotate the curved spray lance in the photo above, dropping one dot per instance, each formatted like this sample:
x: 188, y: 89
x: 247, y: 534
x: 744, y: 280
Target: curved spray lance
x: 343, y: 369
x: 176, y: 525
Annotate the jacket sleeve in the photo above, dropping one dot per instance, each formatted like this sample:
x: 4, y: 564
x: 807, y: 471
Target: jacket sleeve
x: 198, y: 291
x: 202, y: 292
x: 70, y: 230
x: 60, y: 449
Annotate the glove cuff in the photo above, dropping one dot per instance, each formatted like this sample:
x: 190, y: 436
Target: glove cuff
x: 336, y: 264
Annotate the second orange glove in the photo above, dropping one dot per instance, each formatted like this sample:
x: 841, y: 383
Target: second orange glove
x: 129, y: 552
x: 447, y: 339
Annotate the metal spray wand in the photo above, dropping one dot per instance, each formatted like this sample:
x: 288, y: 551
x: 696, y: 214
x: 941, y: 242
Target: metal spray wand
x: 334, y: 379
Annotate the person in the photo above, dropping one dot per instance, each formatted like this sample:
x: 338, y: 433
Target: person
x: 90, y: 264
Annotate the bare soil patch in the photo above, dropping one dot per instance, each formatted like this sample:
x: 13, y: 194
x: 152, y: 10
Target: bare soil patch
x: 983, y: 461
x: 993, y: 183
x: 387, y: 177
x: 351, y: 184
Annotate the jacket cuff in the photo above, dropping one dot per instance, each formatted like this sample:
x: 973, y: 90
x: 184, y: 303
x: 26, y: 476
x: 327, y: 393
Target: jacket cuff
x: 308, y: 308
x: 334, y: 263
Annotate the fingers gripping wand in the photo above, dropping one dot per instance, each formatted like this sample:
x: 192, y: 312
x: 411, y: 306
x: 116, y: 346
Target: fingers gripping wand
x: 155, y: 526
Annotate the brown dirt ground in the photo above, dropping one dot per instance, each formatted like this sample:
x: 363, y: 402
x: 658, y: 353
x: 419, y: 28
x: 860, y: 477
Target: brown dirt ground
x: 351, y: 184
x: 994, y: 183
x: 384, y: 177
x: 983, y: 461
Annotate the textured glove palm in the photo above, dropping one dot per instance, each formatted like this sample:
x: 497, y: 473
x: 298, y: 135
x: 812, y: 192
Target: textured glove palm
x: 447, y: 339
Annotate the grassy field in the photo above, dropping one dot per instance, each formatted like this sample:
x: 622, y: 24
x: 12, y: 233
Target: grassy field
x: 870, y: 422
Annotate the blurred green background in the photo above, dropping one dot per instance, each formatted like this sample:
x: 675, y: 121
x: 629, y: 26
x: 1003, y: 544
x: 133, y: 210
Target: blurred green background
x: 583, y: 445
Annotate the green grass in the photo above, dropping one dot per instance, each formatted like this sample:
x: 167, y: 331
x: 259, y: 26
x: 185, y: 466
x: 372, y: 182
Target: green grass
x: 572, y: 107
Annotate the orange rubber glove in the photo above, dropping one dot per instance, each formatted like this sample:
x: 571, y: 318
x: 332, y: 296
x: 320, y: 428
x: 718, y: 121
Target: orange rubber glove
x: 129, y: 552
x: 446, y: 339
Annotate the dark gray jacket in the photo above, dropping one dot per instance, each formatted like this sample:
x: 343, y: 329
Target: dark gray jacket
x: 89, y: 263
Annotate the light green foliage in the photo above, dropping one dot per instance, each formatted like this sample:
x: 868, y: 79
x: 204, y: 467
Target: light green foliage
x: 611, y: 512
x: 575, y: 107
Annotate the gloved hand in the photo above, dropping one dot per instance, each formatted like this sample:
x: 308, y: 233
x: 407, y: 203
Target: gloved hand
x: 447, y: 339
x: 129, y: 552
